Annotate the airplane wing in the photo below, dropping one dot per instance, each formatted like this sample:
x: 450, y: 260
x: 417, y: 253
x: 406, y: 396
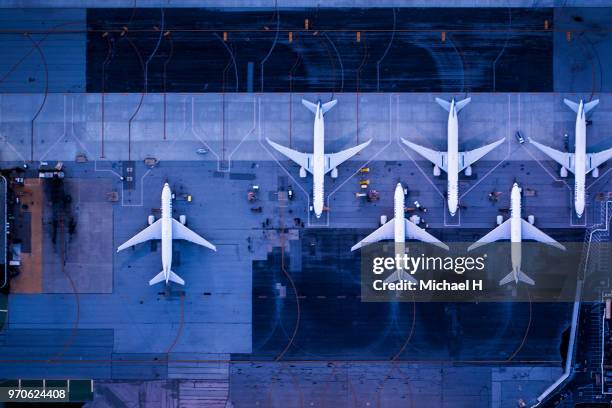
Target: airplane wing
x: 597, y: 159
x: 502, y: 231
x: 301, y: 159
x: 468, y: 158
x: 153, y: 231
x: 179, y: 231
x: 564, y: 159
x: 531, y: 232
x: 333, y: 160
x: 384, y: 232
x: 437, y: 158
x: 413, y: 231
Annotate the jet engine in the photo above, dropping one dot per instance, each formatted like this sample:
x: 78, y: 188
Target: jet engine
x: 595, y: 172
x: 468, y: 171
x: 334, y: 173
x: 183, y: 219
x: 531, y: 219
x: 563, y: 172
x: 436, y: 171
x: 151, y: 219
x: 302, y: 172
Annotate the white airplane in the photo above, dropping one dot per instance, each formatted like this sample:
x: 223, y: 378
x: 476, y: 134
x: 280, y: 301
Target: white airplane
x: 318, y: 163
x: 398, y: 229
x: 166, y: 228
x: 453, y: 161
x: 580, y: 162
x: 516, y: 229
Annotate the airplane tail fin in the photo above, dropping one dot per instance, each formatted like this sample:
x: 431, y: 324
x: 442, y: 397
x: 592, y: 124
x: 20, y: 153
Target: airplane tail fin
x: 587, y: 106
x: 158, y: 278
x: 324, y: 108
x: 400, y: 274
x: 458, y: 105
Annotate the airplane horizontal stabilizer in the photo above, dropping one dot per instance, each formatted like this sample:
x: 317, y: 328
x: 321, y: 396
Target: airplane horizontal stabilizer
x: 571, y: 104
x: 328, y: 105
x: 507, y: 279
x: 458, y: 105
x: 176, y: 279
x: 400, y: 274
x: 524, y: 278
x: 158, y: 278
x: 444, y: 104
x: 310, y: 106
x: 461, y: 104
x: 587, y: 106
x: 324, y: 108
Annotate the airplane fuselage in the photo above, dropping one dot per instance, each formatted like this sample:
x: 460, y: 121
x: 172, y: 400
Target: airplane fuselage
x: 515, y: 230
x: 166, y: 230
x: 453, y: 160
x: 580, y: 161
x: 318, y: 168
x: 398, y: 212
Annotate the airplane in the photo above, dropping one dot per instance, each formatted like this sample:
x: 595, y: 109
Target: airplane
x: 453, y: 161
x: 398, y: 229
x: 516, y: 229
x: 580, y: 162
x: 166, y: 228
x: 318, y: 163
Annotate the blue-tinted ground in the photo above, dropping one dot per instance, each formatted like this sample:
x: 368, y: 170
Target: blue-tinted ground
x: 399, y: 50
x: 333, y: 323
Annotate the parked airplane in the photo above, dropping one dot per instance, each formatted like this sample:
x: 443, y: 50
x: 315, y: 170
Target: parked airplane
x: 580, y: 162
x: 318, y: 163
x: 453, y: 161
x: 166, y: 228
x: 398, y: 229
x: 516, y: 229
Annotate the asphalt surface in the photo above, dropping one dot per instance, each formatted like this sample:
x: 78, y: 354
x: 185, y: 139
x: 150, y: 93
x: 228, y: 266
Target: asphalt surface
x: 321, y: 300
x: 398, y: 50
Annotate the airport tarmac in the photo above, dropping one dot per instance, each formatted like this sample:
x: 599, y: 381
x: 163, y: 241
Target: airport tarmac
x: 307, y: 50
x: 232, y: 309
x: 274, y: 318
x: 232, y: 128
